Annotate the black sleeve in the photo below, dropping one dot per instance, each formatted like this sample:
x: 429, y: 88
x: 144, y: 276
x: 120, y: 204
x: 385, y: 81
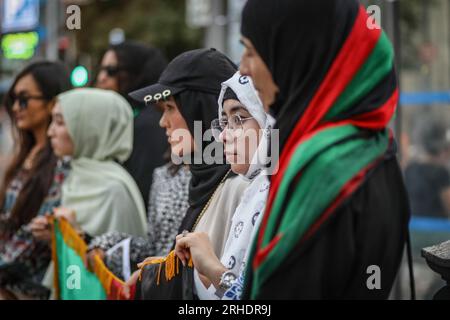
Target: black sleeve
x: 369, y: 229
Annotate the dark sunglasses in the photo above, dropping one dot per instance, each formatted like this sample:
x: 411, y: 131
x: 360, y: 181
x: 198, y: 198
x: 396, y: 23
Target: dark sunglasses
x: 111, y: 71
x: 23, y: 100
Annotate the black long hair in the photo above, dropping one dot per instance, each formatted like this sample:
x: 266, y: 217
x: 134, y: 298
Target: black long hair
x: 140, y: 65
x: 52, y: 78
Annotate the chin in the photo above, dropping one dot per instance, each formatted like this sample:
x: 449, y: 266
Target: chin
x: 21, y: 126
x: 57, y: 154
x: 239, y: 168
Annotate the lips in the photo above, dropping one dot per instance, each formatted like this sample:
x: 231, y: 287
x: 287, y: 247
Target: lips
x: 230, y: 154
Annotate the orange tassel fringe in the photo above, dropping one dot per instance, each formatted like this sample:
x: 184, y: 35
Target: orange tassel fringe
x: 172, y: 266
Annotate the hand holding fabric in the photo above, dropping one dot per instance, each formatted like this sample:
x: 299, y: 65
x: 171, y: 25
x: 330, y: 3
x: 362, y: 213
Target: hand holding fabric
x: 198, y: 246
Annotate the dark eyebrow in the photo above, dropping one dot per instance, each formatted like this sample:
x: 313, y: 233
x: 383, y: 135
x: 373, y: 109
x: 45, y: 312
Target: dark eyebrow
x: 244, y: 44
x: 237, y: 108
x: 57, y: 115
x: 22, y: 92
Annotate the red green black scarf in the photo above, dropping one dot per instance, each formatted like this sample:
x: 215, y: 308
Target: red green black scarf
x: 326, y: 155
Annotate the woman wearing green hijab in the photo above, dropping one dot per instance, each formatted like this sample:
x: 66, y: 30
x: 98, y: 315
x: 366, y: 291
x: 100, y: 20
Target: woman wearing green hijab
x: 95, y: 128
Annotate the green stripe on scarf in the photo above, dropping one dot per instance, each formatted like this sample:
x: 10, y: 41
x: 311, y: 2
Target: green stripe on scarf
x: 376, y: 67
x: 74, y: 280
x: 327, y: 161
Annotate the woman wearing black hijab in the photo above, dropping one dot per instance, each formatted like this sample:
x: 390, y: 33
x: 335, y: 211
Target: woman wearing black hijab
x: 187, y: 94
x: 336, y: 220
x: 126, y: 67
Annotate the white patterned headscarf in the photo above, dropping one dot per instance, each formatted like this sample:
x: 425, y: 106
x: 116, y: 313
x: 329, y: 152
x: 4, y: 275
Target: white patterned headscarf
x: 243, y: 88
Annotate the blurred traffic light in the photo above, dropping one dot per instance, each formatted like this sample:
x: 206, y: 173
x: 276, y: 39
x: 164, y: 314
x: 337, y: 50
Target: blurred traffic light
x: 79, y: 76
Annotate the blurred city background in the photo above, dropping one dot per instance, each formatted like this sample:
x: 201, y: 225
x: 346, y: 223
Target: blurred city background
x: 79, y: 32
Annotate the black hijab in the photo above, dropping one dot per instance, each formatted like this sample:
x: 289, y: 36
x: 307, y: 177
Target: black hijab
x: 300, y: 57
x: 202, y: 106
x: 140, y: 64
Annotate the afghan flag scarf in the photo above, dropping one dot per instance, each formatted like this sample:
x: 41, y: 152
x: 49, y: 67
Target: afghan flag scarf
x: 338, y: 93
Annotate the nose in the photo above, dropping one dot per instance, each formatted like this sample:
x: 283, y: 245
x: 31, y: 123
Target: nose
x: 15, y: 106
x: 50, y: 130
x: 225, y: 136
x: 163, y: 121
x: 243, y: 67
x: 101, y: 77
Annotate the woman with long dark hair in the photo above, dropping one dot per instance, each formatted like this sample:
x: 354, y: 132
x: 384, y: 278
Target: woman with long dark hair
x: 124, y: 68
x: 31, y: 186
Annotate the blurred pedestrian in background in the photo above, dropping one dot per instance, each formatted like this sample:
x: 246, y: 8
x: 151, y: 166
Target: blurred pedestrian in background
x: 124, y: 68
x: 427, y: 178
x: 31, y: 187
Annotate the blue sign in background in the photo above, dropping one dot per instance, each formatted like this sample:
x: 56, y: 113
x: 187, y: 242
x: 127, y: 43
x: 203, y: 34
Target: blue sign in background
x: 19, y: 15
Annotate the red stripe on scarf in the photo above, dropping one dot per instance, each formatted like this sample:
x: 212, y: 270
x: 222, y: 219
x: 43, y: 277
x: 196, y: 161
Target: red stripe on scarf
x: 379, y: 118
x: 380, y: 115
x: 356, y: 49
x: 339, y: 76
x: 346, y: 191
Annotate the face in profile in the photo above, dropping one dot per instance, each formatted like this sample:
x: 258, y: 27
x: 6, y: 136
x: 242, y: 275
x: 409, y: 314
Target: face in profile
x: 107, y: 77
x: 31, y: 110
x: 177, y: 132
x: 253, y: 65
x: 240, y: 135
x: 59, y: 135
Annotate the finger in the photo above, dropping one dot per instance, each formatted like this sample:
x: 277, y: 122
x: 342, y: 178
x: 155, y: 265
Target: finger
x: 38, y: 220
x: 181, y: 248
x: 37, y: 228
x: 179, y: 252
x: 126, y: 292
x: 41, y: 235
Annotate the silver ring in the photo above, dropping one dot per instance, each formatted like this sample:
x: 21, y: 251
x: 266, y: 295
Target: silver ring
x: 184, y: 233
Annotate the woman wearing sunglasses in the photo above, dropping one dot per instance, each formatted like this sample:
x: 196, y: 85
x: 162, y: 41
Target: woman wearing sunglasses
x: 31, y: 187
x: 124, y: 68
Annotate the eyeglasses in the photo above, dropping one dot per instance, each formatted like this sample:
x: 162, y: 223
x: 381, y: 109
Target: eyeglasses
x: 23, y: 100
x: 234, y: 123
x: 111, y: 71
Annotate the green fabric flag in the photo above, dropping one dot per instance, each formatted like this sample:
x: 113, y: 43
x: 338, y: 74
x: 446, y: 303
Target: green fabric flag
x: 74, y: 281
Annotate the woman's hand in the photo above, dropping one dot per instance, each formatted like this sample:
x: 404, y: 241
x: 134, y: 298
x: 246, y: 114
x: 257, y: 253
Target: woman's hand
x: 67, y: 214
x: 129, y: 285
x: 198, y: 246
x: 141, y: 264
x: 41, y: 228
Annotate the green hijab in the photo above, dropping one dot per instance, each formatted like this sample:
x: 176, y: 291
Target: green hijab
x: 103, y: 195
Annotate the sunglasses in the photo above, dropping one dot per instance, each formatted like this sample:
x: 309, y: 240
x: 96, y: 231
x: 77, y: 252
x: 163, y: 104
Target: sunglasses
x: 23, y: 100
x: 111, y: 71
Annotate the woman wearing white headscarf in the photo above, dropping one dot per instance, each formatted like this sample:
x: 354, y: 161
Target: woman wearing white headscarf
x: 241, y: 116
x: 95, y: 128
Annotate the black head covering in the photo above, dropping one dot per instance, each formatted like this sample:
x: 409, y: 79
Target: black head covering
x: 299, y: 48
x: 197, y: 105
x: 229, y: 94
x: 140, y: 64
